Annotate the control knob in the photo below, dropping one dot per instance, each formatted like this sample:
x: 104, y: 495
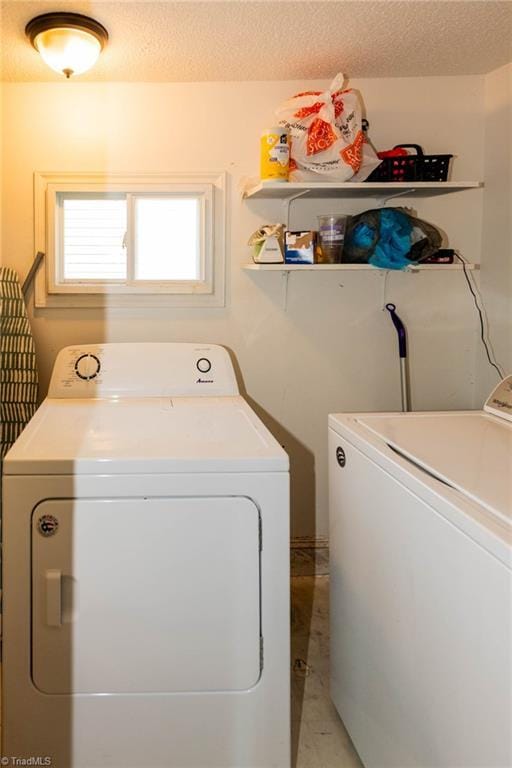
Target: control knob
x: 203, y: 365
x: 87, y: 367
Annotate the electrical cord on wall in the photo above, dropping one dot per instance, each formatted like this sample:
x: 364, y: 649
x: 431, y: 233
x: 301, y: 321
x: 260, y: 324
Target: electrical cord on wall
x: 479, y: 304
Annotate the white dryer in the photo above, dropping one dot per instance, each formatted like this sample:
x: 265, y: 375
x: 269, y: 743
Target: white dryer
x: 421, y: 585
x: 146, y: 576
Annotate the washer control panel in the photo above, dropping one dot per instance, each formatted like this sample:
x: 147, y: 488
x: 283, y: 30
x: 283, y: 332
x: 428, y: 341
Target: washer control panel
x: 142, y: 370
x: 499, y: 401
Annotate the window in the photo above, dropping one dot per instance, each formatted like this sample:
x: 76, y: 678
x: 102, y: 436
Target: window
x: 128, y: 238
x: 124, y: 240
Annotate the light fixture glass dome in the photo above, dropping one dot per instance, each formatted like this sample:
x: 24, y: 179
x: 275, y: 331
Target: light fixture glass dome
x: 71, y: 51
x: 68, y: 42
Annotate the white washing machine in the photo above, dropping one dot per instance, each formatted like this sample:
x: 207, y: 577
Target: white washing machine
x: 421, y: 585
x: 146, y: 568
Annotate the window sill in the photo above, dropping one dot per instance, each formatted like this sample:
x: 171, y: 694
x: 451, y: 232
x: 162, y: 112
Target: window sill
x: 129, y: 300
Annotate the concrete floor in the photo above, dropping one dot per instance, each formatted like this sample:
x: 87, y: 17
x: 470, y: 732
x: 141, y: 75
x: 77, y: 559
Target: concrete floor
x: 319, y: 738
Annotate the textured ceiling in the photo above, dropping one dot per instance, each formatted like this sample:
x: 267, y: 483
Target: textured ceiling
x: 280, y: 40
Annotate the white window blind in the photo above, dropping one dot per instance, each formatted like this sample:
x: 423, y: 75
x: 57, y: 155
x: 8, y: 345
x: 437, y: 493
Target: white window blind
x: 94, y: 238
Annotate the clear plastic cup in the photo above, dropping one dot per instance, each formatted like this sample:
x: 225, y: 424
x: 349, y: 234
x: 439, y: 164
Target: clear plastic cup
x: 331, y: 237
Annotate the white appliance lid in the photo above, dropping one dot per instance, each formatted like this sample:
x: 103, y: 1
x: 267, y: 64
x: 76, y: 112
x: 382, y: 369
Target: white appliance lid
x: 469, y: 451
x: 150, y: 435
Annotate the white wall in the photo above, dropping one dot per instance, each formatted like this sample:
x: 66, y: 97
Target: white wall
x: 316, y: 344
x: 497, y: 224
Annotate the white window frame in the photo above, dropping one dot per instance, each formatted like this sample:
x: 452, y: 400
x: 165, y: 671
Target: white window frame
x: 52, y: 290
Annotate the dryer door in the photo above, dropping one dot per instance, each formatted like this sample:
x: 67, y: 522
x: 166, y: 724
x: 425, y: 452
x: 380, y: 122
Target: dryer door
x: 145, y: 595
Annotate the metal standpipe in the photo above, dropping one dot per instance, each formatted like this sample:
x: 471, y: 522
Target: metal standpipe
x: 402, y: 351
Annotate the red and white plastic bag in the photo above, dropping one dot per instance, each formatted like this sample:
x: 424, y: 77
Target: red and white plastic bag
x: 327, y: 138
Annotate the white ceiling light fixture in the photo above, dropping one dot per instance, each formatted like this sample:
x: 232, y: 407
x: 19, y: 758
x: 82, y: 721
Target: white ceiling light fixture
x: 69, y: 43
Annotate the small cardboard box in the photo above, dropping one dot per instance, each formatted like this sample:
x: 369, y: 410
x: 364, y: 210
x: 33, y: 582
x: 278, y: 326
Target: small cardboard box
x: 300, y: 247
